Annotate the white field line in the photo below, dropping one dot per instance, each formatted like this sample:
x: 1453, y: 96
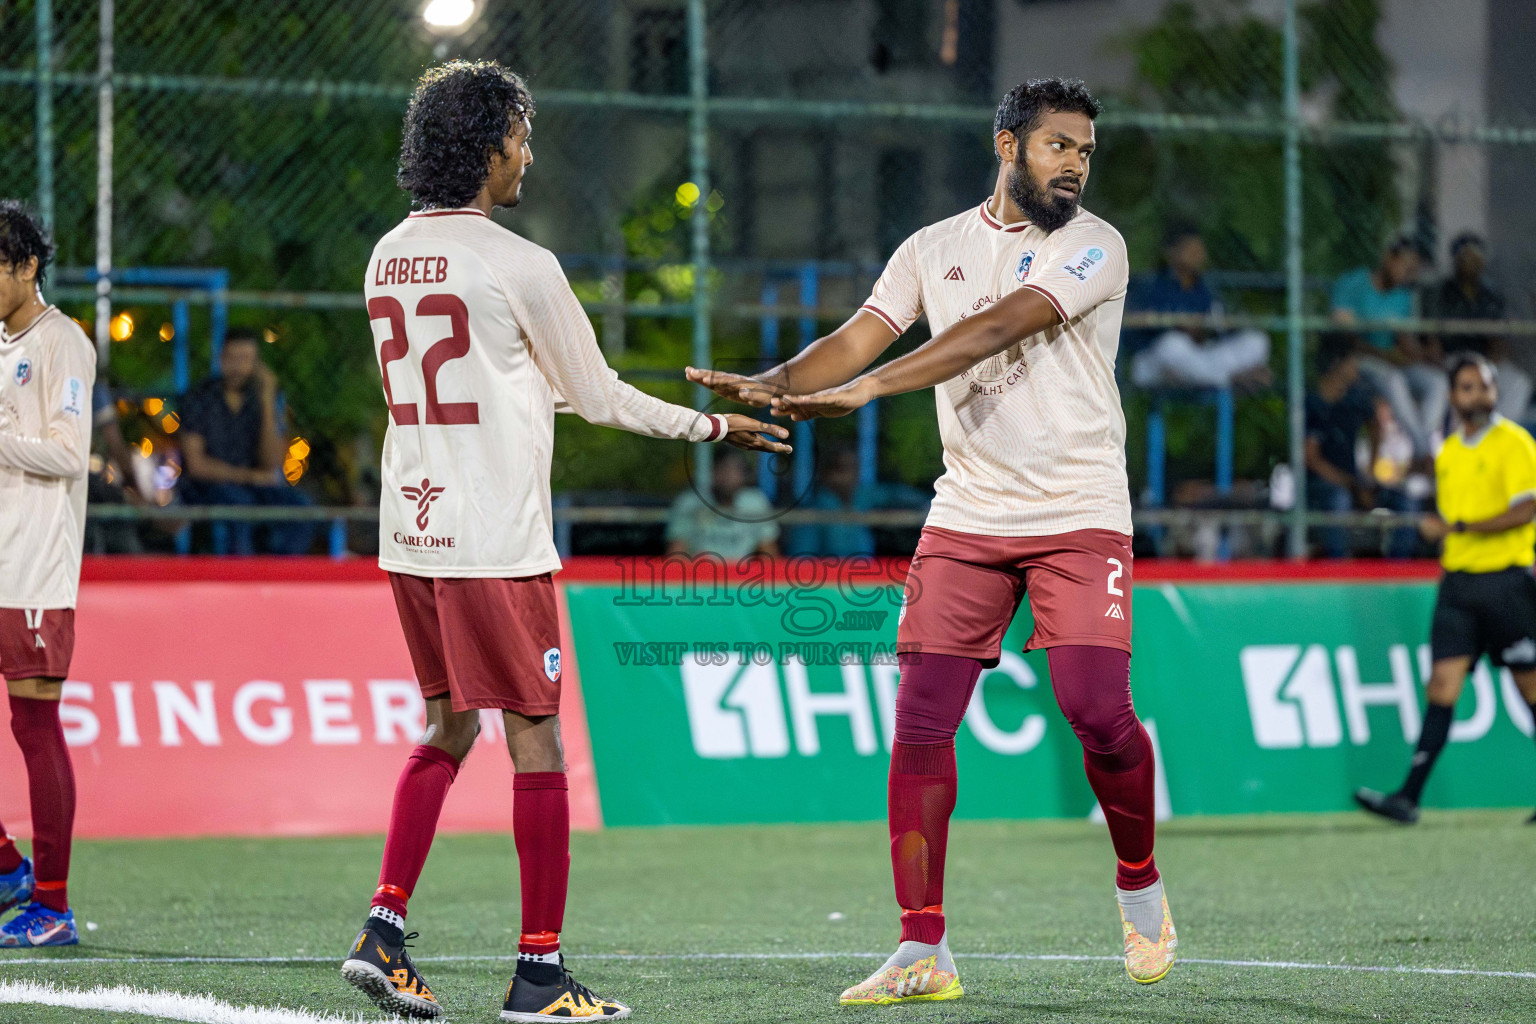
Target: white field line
x: 1282, y: 965
x: 165, y: 1005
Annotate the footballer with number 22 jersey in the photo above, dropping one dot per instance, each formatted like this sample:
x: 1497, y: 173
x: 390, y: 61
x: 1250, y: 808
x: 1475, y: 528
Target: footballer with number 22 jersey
x: 480, y: 342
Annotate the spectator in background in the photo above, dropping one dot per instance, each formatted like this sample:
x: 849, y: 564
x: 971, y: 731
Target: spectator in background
x: 737, y: 521
x: 1339, y: 408
x: 1465, y: 295
x: 1396, y: 365
x: 112, y: 480
x: 231, y: 449
x: 837, y: 489
x: 1192, y: 356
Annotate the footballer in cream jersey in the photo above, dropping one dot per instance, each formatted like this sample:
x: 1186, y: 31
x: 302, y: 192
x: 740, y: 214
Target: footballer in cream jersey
x: 480, y: 342
x: 1024, y: 298
x: 47, y: 369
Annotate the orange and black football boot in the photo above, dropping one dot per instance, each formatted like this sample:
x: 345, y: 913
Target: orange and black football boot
x: 379, y: 965
x: 547, y: 992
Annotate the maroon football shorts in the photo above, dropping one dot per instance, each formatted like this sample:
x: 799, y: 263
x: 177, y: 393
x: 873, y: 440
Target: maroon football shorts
x: 36, y: 643
x: 487, y: 643
x: 964, y: 588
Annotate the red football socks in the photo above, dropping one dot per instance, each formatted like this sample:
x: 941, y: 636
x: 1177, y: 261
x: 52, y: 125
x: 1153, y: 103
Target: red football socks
x: 1093, y: 687
x: 1123, y: 781
x: 931, y: 699
x: 541, y: 828
x: 419, y: 799
x: 923, y: 783
x: 51, y: 783
x: 10, y: 857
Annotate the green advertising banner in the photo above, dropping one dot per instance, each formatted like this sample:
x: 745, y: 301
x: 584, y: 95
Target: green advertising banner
x: 776, y: 704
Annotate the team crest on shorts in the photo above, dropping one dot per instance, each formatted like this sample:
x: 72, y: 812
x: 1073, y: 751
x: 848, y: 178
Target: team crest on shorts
x: 23, y: 372
x: 552, y: 664
x: 1026, y: 260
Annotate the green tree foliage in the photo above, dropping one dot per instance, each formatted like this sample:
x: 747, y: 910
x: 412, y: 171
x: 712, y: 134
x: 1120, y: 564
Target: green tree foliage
x: 1226, y: 62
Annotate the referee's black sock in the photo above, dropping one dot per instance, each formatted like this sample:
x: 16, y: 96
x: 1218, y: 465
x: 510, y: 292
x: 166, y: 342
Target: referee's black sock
x: 1532, y: 706
x: 1437, y: 726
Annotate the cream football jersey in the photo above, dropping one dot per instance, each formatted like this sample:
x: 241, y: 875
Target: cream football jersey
x: 1034, y: 437
x: 479, y: 339
x: 47, y: 370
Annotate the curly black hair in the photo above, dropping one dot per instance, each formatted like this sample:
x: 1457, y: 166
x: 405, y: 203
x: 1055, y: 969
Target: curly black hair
x: 22, y: 237
x: 459, y: 117
x: 1024, y: 106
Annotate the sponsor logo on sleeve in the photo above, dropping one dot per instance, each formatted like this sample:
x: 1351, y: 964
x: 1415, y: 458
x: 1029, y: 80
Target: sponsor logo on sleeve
x: 74, y: 396
x: 1086, y: 263
x: 23, y: 373
x: 1026, y: 260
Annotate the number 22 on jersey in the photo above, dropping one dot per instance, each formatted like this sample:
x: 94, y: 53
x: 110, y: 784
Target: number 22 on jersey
x: 397, y: 346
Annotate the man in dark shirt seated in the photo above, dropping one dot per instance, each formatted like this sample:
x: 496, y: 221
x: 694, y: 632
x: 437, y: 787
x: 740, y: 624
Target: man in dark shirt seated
x: 231, y: 451
x: 1465, y: 295
x: 1339, y: 407
x: 1197, y: 355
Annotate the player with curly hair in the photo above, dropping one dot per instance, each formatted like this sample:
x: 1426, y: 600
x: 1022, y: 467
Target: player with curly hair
x: 480, y: 339
x: 47, y: 369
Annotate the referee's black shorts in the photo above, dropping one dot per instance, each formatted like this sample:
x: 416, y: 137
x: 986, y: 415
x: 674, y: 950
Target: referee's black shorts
x: 1492, y: 613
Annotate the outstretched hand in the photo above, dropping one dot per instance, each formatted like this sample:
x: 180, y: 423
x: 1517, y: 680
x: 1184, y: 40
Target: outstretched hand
x: 734, y: 386
x: 828, y: 404
x: 747, y: 433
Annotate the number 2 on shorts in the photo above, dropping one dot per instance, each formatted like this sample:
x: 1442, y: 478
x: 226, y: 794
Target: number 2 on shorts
x: 1115, y: 574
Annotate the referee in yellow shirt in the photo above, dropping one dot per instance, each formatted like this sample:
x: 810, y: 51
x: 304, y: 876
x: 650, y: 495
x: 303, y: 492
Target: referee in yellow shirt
x: 1485, y: 476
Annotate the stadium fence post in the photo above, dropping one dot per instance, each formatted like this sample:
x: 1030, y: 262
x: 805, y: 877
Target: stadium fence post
x: 1296, y: 396
x: 45, y: 112
x: 104, y: 188
x: 698, y: 159
x: 768, y: 352
x: 805, y: 438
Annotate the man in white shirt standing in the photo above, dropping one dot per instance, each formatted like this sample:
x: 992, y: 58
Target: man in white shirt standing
x: 1024, y: 296
x: 480, y: 340
x: 47, y: 370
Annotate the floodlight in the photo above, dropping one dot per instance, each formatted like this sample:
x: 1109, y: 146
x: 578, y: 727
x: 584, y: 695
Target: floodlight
x: 448, y: 16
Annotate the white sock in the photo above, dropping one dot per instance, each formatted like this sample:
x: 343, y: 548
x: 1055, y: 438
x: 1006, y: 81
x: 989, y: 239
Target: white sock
x: 1144, y: 909
x: 388, y: 917
x: 911, y: 951
x: 540, y: 958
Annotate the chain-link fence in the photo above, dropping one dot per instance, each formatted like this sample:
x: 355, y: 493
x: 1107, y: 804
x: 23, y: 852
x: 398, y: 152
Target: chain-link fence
x: 723, y: 180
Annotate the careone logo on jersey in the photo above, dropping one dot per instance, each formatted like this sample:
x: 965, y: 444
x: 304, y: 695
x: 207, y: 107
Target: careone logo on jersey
x: 23, y: 373
x: 1086, y: 263
x: 423, y: 496
x: 1026, y: 260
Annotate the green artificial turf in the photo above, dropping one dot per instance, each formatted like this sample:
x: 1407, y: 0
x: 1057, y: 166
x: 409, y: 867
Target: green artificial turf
x: 1454, y: 892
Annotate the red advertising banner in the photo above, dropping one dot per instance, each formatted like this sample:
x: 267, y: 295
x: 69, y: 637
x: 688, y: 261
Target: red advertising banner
x: 262, y: 708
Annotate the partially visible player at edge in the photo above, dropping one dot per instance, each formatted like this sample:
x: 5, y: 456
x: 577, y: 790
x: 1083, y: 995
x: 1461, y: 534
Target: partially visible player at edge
x: 1024, y: 296
x: 1485, y: 482
x: 47, y: 369
x: 479, y: 339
